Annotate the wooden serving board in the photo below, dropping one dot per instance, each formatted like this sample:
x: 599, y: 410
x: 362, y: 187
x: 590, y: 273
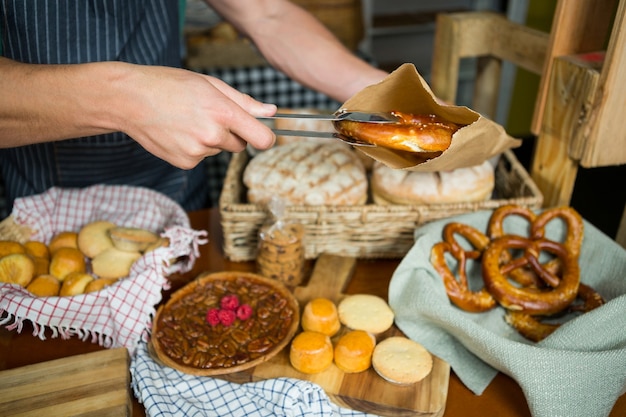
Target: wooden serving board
x: 94, y: 384
x: 364, y: 391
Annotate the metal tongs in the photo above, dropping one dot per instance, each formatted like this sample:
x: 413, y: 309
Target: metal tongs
x: 357, y: 116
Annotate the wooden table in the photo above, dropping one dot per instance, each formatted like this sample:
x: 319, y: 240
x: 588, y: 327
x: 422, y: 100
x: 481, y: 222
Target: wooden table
x: 503, y: 397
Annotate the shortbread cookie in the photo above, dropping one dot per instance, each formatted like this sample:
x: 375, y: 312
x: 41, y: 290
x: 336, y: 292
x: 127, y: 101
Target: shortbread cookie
x: 365, y: 312
x: 401, y: 360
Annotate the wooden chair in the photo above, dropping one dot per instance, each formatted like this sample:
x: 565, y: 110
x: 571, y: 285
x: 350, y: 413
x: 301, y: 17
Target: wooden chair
x: 578, y: 117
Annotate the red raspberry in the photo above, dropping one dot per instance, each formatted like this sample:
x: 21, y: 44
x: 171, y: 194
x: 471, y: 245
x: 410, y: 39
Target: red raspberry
x: 212, y: 316
x: 244, y: 312
x: 229, y: 302
x: 227, y: 317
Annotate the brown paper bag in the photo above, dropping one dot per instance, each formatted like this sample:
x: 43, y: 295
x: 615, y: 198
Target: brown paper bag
x: 406, y: 91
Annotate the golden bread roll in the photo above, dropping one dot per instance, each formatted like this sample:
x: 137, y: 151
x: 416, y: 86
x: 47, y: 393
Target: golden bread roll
x: 42, y: 265
x: 98, y: 284
x: 66, y: 239
x: 132, y: 239
x: 37, y: 249
x: 93, y: 237
x: 320, y: 315
x: 401, y: 360
x: 353, y: 351
x: 113, y: 263
x: 365, y: 312
x: 307, y: 173
x: 396, y: 186
x: 75, y: 283
x: 311, y: 352
x: 66, y: 260
x: 16, y: 268
x: 8, y: 247
x: 44, y: 286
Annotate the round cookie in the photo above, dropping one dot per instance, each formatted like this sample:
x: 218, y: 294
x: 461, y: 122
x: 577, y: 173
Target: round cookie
x: 365, y: 312
x: 401, y: 360
x: 93, y: 237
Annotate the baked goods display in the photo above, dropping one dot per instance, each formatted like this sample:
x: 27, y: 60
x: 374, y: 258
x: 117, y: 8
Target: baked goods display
x: 365, y: 312
x: 224, y: 322
x: 396, y: 186
x: 75, y: 262
x: 532, y: 277
x: 423, y: 133
x: 307, y: 174
x: 401, y: 360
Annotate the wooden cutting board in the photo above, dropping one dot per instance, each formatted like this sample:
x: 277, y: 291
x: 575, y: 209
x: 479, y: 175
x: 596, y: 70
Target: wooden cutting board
x: 94, y: 384
x: 364, y: 391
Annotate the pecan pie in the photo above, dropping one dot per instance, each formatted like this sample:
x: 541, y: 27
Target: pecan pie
x: 224, y: 322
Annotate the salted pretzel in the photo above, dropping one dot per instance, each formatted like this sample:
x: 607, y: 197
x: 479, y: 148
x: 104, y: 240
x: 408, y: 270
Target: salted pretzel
x: 412, y: 132
x: 525, y: 299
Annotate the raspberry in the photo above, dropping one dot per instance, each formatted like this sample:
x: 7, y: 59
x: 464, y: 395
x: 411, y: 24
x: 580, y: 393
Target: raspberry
x: 244, y: 312
x: 227, y: 317
x: 229, y: 302
x: 212, y: 316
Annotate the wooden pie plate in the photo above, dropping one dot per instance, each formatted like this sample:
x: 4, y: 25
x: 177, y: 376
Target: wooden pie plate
x: 205, y: 292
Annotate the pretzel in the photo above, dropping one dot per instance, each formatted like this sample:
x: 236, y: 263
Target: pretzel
x: 458, y: 291
x: 412, y: 132
x: 535, y: 330
x: 530, y: 300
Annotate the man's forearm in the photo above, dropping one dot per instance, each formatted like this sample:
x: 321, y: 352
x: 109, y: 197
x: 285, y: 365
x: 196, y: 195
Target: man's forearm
x: 42, y: 103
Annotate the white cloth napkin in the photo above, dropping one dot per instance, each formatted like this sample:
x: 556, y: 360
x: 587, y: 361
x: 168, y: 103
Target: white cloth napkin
x: 579, y: 370
x: 117, y: 315
x: 167, y: 392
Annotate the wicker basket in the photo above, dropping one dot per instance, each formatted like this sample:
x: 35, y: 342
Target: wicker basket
x: 366, y: 231
x: 344, y: 18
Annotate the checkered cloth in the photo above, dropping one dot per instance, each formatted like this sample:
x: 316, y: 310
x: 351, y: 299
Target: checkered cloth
x: 167, y: 392
x: 119, y: 314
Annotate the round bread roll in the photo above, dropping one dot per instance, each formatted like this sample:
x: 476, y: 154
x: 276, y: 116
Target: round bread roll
x: 113, y: 263
x: 45, y: 285
x: 132, y: 239
x: 353, y: 351
x: 401, y: 360
x: 320, y: 315
x: 75, y: 283
x: 307, y: 174
x: 365, y: 312
x: 93, y: 237
x: 98, y: 284
x: 66, y: 260
x: 17, y: 268
x: 396, y: 186
x: 311, y: 352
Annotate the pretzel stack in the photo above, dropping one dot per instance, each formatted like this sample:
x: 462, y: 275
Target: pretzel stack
x: 532, y: 277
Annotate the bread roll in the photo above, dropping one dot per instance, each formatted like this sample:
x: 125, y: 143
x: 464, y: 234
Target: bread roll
x: 93, y: 237
x: 401, y: 360
x: 311, y: 352
x: 353, y: 351
x: 75, y: 283
x: 307, y: 174
x: 320, y: 315
x: 365, y: 312
x: 44, y: 286
x: 98, y: 284
x: 395, y: 186
x: 132, y: 239
x: 113, y: 263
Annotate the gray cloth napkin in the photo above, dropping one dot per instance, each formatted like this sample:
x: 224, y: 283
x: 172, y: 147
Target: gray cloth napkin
x: 579, y: 370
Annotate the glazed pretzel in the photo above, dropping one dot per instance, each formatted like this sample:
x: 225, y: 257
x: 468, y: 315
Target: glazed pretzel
x: 412, y: 133
x: 525, y: 299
